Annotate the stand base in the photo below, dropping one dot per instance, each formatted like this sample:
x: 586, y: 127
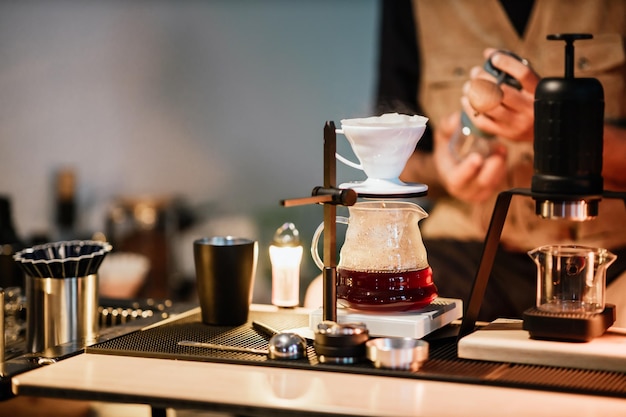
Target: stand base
x: 415, y: 324
x: 573, y: 327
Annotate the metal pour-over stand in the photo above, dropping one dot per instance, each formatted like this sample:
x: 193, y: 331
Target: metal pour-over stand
x: 331, y: 196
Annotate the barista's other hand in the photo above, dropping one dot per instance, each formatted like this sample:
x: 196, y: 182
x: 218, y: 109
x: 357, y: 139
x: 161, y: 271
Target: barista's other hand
x: 475, y: 178
x: 514, y: 117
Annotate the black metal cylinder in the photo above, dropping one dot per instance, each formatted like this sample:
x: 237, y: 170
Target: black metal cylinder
x: 569, y: 123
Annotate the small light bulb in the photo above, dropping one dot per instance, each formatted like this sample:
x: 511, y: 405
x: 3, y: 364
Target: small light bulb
x: 286, y: 255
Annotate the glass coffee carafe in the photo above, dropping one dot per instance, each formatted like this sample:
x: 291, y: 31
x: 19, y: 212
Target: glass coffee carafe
x: 382, y: 264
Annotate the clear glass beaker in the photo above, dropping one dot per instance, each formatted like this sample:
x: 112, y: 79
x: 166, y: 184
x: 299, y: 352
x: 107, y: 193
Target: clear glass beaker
x: 570, y: 278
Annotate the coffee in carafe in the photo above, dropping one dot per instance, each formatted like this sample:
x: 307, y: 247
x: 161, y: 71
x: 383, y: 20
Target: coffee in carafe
x: 400, y: 290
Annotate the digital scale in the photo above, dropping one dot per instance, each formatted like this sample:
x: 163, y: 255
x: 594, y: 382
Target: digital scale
x: 415, y: 324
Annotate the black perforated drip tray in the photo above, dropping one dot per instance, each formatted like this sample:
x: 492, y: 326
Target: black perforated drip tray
x: 443, y: 364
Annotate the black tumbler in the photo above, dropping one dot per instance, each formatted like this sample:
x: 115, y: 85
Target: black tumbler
x: 225, y: 272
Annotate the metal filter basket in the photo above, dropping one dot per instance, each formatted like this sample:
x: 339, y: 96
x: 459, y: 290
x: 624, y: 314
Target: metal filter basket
x: 62, y: 292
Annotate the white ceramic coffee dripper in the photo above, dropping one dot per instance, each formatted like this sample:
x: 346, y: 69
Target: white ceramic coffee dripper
x: 383, y: 145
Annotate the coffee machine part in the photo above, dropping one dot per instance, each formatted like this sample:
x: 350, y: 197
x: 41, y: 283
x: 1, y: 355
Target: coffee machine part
x: 571, y: 285
x: 567, y: 327
x: 342, y: 343
x: 323, y: 195
x: 569, y: 125
x: 571, y: 278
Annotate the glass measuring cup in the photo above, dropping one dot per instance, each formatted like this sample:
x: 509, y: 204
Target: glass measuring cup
x: 570, y: 278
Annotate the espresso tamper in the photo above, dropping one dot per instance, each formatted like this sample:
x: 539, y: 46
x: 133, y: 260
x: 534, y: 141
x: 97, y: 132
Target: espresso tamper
x: 342, y: 343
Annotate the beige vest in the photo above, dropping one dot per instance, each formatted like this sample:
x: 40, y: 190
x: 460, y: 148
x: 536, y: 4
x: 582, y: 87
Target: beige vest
x: 454, y: 34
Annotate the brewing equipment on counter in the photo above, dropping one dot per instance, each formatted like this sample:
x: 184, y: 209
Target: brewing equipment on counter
x: 400, y: 129
x: 567, y: 184
x: 571, y: 278
x: 402, y: 353
x: 569, y: 126
x: 121, y: 311
x: 571, y: 282
x: 341, y: 343
x: 62, y: 292
x: 383, y: 145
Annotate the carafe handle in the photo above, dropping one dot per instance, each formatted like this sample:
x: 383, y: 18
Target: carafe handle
x: 316, y: 238
x: 345, y: 160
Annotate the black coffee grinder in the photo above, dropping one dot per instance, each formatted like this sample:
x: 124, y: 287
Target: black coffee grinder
x: 567, y: 184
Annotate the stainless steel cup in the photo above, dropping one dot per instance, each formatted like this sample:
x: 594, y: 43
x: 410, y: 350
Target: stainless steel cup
x: 225, y: 273
x: 61, y: 310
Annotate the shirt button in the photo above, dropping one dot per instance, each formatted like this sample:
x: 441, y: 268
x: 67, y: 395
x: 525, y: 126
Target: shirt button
x: 583, y: 63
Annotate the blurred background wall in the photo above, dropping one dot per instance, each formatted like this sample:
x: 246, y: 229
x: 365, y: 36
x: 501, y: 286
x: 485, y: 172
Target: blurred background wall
x: 218, y: 104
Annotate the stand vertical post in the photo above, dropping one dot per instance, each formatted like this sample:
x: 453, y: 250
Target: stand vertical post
x: 329, y: 277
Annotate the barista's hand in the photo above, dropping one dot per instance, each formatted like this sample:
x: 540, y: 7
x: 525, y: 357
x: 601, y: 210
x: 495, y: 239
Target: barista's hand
x: 474, y: 179
x: 514, y: 117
